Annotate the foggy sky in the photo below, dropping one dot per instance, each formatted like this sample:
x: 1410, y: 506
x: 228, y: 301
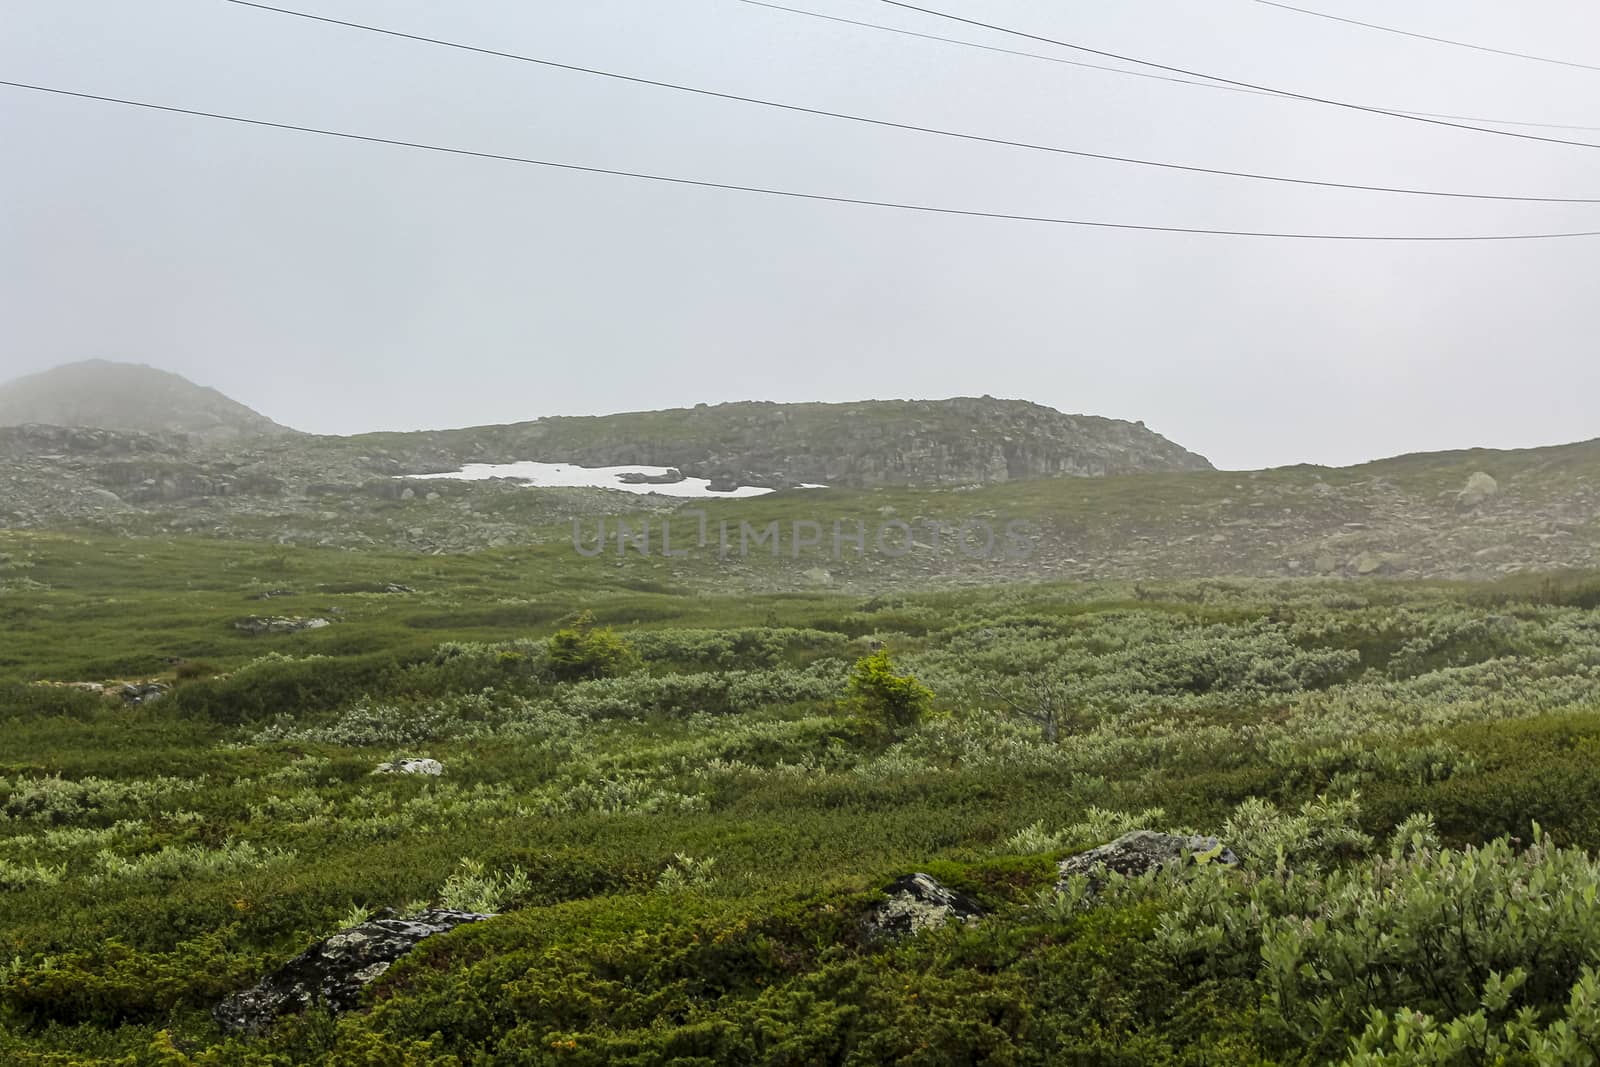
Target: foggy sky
x: 340, y: 287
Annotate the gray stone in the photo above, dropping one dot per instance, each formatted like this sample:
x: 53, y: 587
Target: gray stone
x: 137, y: 693
x: 430, y: 767
x: 334, y: 972
x: 1369, y: 563
x: 916, y: 903
x: 1480, y: 487
x: 1137, y: 853
x: 257, y: 625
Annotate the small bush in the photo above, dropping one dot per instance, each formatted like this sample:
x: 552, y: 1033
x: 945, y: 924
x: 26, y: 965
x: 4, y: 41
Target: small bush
x: 898, y: 702
x: 583, y: 652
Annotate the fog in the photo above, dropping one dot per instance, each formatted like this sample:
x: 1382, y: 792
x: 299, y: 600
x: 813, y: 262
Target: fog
x: 339, y: 286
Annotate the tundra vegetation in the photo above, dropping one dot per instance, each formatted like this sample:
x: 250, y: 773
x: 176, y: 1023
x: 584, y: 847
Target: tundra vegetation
x: 682, y: 808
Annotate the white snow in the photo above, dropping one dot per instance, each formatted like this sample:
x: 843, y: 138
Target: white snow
x: 545, y: 475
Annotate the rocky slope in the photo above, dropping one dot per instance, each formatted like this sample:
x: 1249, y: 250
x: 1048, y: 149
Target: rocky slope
x: 131, y: 397
x: 1479, y: 514
x: 1106, y: 499
x: 964, y: 441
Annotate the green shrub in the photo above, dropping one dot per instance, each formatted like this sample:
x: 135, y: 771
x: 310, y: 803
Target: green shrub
x: 897, y: 702
x: 280, y: 685
x: 584, y: 651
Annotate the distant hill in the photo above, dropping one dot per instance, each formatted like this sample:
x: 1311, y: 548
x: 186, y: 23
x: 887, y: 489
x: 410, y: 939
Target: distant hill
x: 106, y: 395
x: 964, y: 441
x: 1477, y: 514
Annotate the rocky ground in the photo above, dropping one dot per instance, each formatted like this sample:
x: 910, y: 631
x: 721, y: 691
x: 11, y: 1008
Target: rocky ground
x: 1453, y: 515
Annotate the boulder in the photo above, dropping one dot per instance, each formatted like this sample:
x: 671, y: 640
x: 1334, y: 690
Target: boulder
x: 334, y: 972
x: 426, y: 766
x: 1132, y: 855
x: 918, y: 902
x: 1480, y: 487
x: 257, y: 625
x: 135, y: 693
x: 1371, y: 563
x: 671, y: 476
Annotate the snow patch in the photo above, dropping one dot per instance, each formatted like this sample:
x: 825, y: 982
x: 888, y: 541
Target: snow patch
x: 568, y: 475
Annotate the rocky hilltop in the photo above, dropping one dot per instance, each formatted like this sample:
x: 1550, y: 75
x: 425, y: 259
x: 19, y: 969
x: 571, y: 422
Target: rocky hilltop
x: 104, y: 395
x: 965, y: 441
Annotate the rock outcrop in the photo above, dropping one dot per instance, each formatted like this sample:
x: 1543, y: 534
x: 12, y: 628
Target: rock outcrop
x: 916, y: 903
x: 1142, y: 851
x: 424, y: 766
x: 1480, y: 487
x: 257, y: 625
x: 334, y: 972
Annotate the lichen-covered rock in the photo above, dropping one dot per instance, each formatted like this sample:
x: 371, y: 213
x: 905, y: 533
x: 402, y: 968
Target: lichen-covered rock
x: 137, y: 693
x: 1480, y: 487
x: 426, y: 766
x: 916, y: 903
x: 333, y: 973
x: 257, y: 625
x: 1145, y: 850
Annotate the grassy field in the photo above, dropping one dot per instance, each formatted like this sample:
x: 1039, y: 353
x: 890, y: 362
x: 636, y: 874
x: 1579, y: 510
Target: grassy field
x: 682, y: 841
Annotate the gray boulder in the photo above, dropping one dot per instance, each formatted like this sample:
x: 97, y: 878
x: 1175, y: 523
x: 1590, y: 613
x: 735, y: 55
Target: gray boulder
x: 1480, y: 487
x: 430, y: 767
x: 334, y: 972
x: 672, y: 476
x: 258, y: 625
x: 1132, y: 855
x: 916, y: 903
x: 137, y: 693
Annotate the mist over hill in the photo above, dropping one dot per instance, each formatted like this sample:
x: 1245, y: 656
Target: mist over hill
x: 106, y: 395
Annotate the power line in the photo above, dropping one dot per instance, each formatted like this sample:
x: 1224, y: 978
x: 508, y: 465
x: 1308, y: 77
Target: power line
x: 1235, y: 82
x: 904, y: 126
x: 794, y: 194
x: 1427, y: 37
x: 1063, y: 61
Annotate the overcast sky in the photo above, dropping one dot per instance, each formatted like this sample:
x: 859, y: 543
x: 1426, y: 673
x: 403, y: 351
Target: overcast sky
x: 341, y: 287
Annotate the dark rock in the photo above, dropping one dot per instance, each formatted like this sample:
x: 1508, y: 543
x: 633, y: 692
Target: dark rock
x: 672, y: 477
x: 333, y: 973
x: 1132, y: 855
x: 918, y: 902
x: 137, y: 693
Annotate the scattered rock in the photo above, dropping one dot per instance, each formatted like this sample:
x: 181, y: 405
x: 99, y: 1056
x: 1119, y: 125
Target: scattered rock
x: 1479, y: 488
x: 818, y: 576
x: 916, y: 903
x: 258, y: 625
x: 411, y: 766
x: 1369, y: 563
x: 269, y: 594
x: 136, y: 693
x: 672, y: 476
x: 1143, y: 850
x: 334, y: 972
